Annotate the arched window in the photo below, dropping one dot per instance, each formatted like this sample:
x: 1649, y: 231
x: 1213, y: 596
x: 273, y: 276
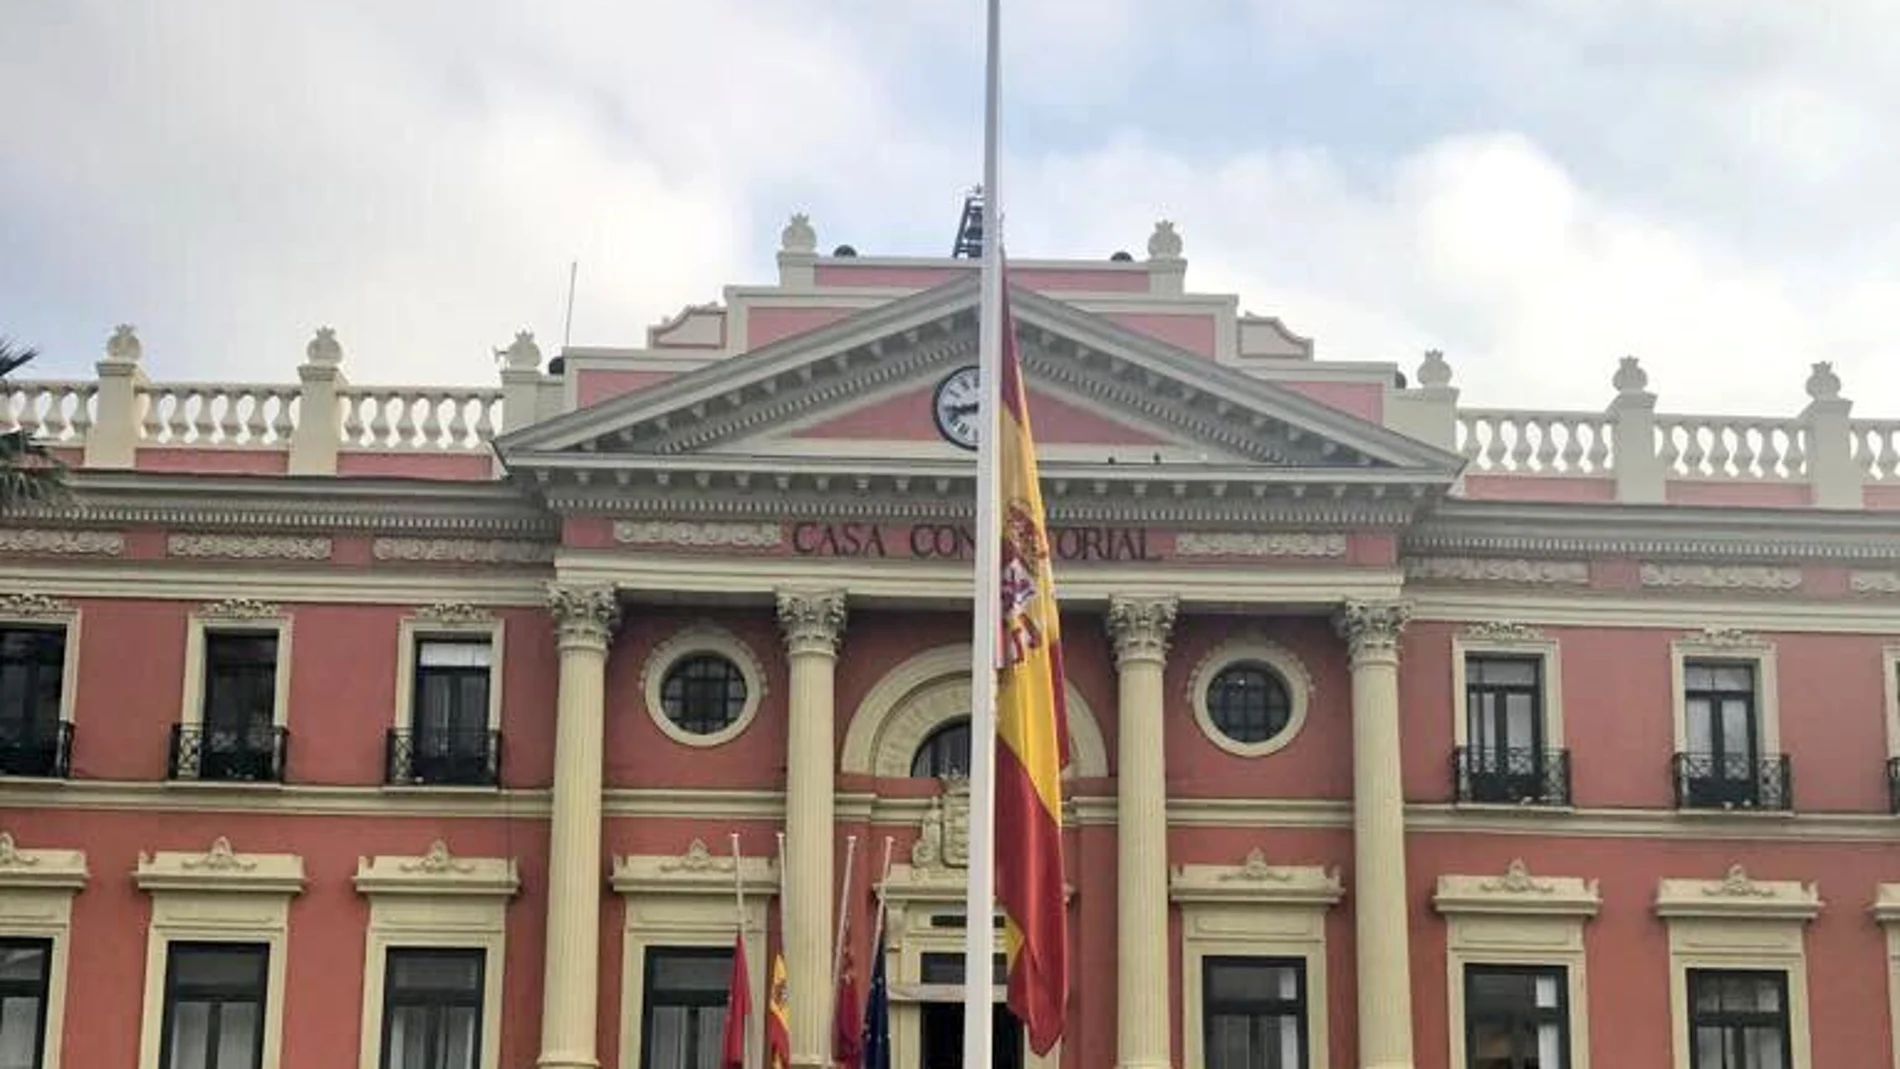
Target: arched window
x: 945, y: 752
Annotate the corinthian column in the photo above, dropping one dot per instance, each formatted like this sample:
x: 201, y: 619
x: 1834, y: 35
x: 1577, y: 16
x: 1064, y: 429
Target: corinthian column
x: 584, y: 619
x: 1139, y: 628
x: 1371, y: 631
x: 813, y: 623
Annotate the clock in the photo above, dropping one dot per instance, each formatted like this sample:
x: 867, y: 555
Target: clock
x: 956, y: 406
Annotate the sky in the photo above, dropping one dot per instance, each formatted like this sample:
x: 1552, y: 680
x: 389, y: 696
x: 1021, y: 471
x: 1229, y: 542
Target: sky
x: 1536, y: 187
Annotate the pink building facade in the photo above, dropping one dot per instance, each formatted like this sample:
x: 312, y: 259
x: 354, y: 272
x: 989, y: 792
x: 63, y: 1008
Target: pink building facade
x: 434, y: 728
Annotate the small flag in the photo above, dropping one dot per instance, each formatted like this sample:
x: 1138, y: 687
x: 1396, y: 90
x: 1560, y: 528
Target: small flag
x: 1032, y: 737
x: 875, y: 1041
x: 778, y: 1017
x: 846, y: 1046
x: 738, y: 1009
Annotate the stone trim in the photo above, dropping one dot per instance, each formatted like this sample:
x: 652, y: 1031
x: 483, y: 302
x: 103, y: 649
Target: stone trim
x: 1737, y: 895
x: 462, y: 550
x: 231, y: 616
x: 1509, y: 639
x: 692, y: 640
x: 1517, y: 892
x: 39, y: 610
x: 1720, y: 577
x: 1738, y: 923
x: 221, y: 869
x: 1258, y: 544
x: 61, y: 543
x: 36, y: 902
x: 1244, y: 650
x: 248, y: 547
x: 1886, y: 913
x: 1736, y: 647
x: 699, y: 535
x: 1499, y: 570
x: 446, y: 620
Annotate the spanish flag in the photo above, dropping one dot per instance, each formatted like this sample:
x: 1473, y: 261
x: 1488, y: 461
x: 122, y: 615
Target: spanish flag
x: 1032, y: 733
x: 778, y: 1017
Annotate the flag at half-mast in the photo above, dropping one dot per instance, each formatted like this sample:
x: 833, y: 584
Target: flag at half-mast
x: 1032, y: 733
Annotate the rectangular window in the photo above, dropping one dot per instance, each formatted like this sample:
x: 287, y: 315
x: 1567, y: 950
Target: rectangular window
x: 1738, y: 1020
x: 1504, y: 733
x: 1722, y: 730
x: 1254, y: 1012
x: 214, y: 1006
x: 32, y: 671
x: 240, y: 700
x: 449, y: 733
x: 1516, y: 1017
x: 685, y: 1007
x: 25, y: 973
x: 432, y: 1009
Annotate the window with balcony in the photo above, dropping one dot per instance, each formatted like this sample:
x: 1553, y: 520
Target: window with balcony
x: 237, y: 737
x: 25, y: 982
x: 34, y: 740
x: 432, y: 1009
x: 1507, y: 757
x: 684, y: 1015
x: 1725, y: 763
x: 449, y: 739
x: 1254, y: 1012
x: 214, y: 1006
x: 1516, y: 1017
x: 1738, y: 1019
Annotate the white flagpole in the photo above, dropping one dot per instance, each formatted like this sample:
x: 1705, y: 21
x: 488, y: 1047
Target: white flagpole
x: 980, y: 901
x: 844, y: 923
x: 738, y: 893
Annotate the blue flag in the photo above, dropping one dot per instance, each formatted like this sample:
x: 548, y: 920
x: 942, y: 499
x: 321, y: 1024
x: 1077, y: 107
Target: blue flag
x: 877, y: 1015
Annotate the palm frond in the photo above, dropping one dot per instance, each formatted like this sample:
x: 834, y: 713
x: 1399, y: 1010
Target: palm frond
x: 29, y: 473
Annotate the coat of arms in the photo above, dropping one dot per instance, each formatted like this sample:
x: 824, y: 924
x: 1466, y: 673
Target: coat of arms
x: 943, y: 838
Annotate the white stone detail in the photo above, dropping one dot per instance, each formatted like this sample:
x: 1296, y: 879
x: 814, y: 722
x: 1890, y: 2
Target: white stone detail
x: 1503, y: 631
x: 1874, y: 582
x: 462, y: 550
x: 31, y: 605
x: 240, y: 609
x: 62, y: 543
x: 1255, y: 869
x: 698, y: 858
x: 943, y: 837
x: 1499, y: 570
x: 454, y: 612
x: 1721, y: 577
x: 438, y: 862
x: 699, y: 535
x: 247, y: 547
x: 1254, y: 544
x: 1517, y: 880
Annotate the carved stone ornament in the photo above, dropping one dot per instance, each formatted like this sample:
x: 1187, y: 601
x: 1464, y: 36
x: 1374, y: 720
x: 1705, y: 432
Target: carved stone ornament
x: 123, y: 347
x: 240, y: 609
x: 943, y: 837
x: 1738, y: 895
x: 1726, y: 638
x: 455, y: 612
x: 1258, y: 544
x: 324, y: 350
x: 438, y: 862
x: 1255, y: 869
x: 1517, y: 880
x: 1140, y: 628
x: 698, y: 858
x: 62, y: 543
x: 1503, y: 631
x: 522, y: 354
x: 811, y: 621
x: 40, y: 869
x: 1372, y: 628
x: 1721, y: 577
x: 1499, y: 570
x: 1164, y: 243
x: 699, y: 535
x: 1736, y: 884
x: 1630, y: 378
x: 1434, y: 372
x: 10, y: 855
x: 584, y: 614
x: 32, y: 605
x: 1874, y: 582
x: 220, y: 858
x: 247, y: 547
x: 799, y: 235
x: 1823, y: 383
x: 462, y: 550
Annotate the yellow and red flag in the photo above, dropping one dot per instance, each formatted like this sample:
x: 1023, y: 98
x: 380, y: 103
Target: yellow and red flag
x: 778, y: 1017
x: 1032, y: 735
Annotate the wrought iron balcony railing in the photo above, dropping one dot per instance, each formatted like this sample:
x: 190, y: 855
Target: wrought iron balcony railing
x: 238, y: 755
x: 1511, y: 776
x: 451, y: 758
x: 1733, y: 781
x: 37, y: 750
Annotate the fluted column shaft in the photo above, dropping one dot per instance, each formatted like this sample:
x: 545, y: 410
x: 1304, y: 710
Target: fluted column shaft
x: 584, y: 619
x: 1371, y: 631
x: 1139, y: 628
x: 813, y: 623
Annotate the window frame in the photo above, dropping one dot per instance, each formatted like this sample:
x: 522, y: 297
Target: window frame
x: 1695, y: 1018
x: 698, y: 640
x: 457, y: 1000
x: 1890, y: 686
x: 1561, y: 1012
x: 1737, y: 923
x: 1733, y: 647
x: 1509, y: 640
x: 36, y: 898
x: 1302, y: 1015
x: 42, y: 990
x: 1251, y: 650
x: 43, y: 613
x: 226, y: 618
x: 437, y: 625
x: 650, y: 959
x: 168, y: 1023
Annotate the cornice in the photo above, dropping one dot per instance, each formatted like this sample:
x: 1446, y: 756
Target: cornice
x: 1668, y: 532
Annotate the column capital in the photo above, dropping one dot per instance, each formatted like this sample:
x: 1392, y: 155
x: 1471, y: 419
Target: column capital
x: 811, y: 620
x: 583, y: 615
x: 1371, y: 628
x: 1140, y: 627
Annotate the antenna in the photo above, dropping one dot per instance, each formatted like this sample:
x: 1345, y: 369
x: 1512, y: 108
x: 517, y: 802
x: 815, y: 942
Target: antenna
x: 567, y: 329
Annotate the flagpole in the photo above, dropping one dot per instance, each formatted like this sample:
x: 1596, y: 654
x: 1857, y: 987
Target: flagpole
x: 844, y: 920
x: 738, y: 893
x: 980, y: 901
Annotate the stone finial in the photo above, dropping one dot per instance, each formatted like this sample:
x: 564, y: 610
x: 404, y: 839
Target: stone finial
x: 323, y: 349
x: 123, y: 347
x: 1434, y: 371
x: 1630, y: 378
x: 798, y: 235
x: 1164, y: 243
x: 1823, y: 383
x: 522, y: 354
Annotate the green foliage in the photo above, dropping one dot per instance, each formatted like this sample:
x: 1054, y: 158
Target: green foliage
x: 29, y: 474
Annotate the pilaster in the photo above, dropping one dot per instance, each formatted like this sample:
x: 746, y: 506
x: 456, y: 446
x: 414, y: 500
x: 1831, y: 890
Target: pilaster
x: 1371, y: 630
x: 1140, y: 629
x: 813, y: 626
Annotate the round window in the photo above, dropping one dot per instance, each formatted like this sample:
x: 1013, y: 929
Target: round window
x: 1248, y: 702
x: 703, y: 694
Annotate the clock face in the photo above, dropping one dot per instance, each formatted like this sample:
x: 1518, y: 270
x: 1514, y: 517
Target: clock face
x: 956, y: 405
